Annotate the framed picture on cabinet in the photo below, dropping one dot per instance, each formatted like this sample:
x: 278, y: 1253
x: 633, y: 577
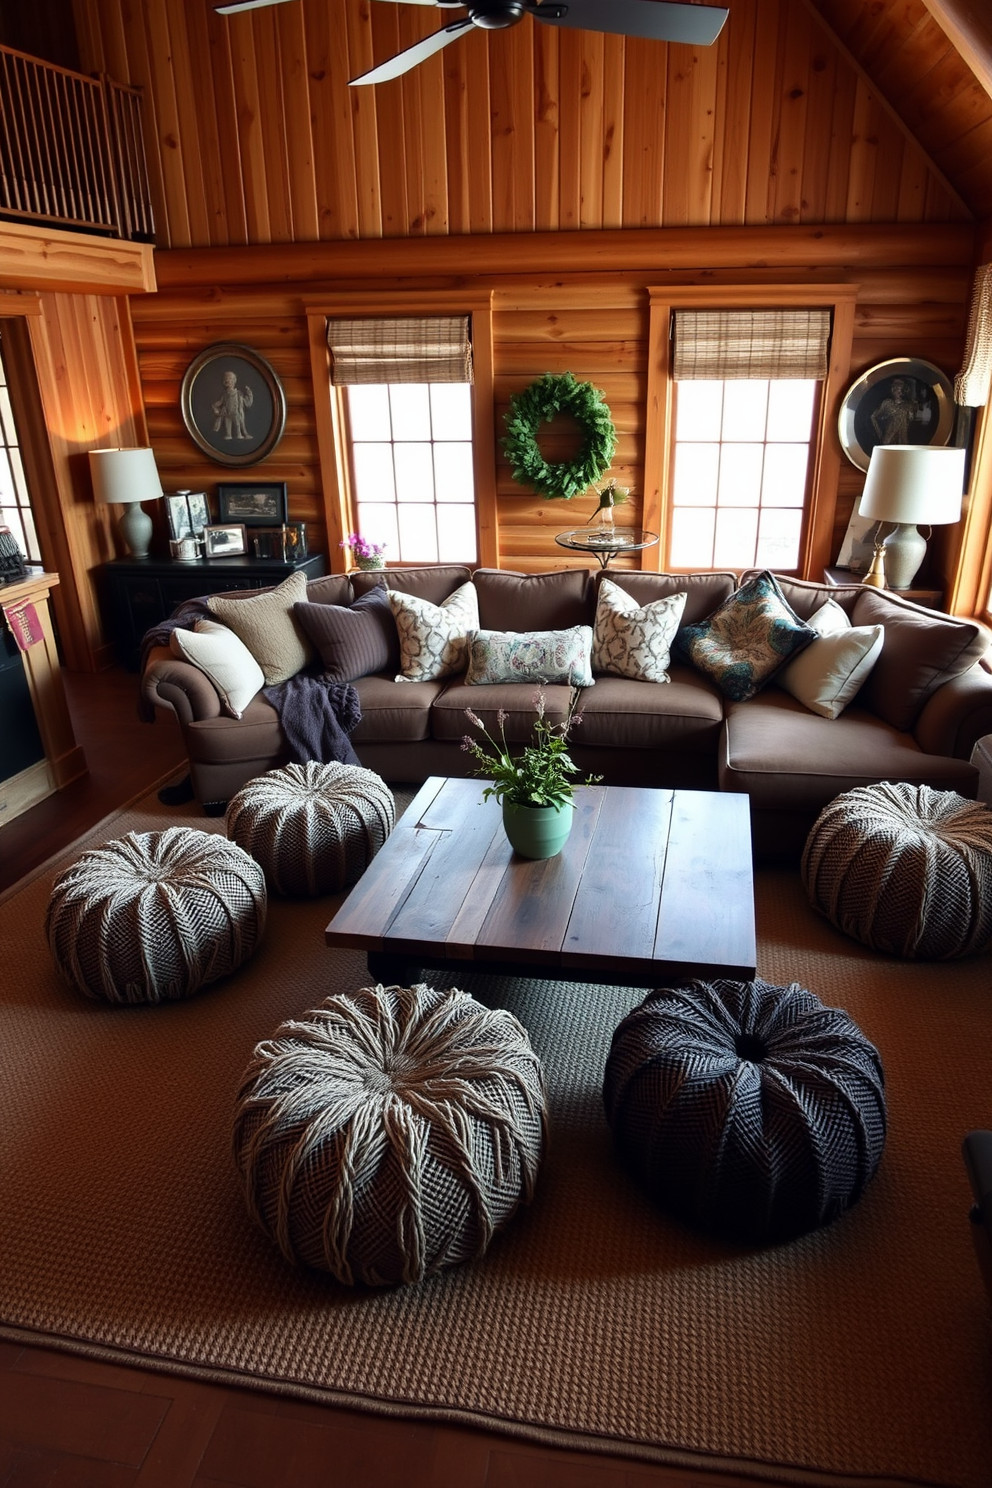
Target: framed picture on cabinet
x: 225, y: 540
x: 233, y: 404
x: 256, y: 503
x: 178, y: 514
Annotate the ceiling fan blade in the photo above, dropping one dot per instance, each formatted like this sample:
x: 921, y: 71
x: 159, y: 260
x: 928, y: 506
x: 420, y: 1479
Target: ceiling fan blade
x: 419, y: 52
x: 657, y: 20
x: 231, y: 7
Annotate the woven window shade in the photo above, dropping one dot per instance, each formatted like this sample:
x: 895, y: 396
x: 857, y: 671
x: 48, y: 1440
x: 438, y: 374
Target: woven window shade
x: 971, y: 386
x: 723, y: 345
x: 411, y: 349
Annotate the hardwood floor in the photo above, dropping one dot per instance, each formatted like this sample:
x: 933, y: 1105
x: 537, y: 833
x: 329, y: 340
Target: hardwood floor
x: 70, y: 1422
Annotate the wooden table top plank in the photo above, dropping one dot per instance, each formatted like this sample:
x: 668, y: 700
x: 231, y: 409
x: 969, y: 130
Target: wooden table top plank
x: 617, y: 901
x: 433, y: 902
x: 706, y: 916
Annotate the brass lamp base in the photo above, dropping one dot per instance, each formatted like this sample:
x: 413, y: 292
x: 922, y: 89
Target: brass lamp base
x: 876, y: 573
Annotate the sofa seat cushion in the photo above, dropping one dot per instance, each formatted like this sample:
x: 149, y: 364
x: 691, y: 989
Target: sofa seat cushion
x: 786, y: 758
x: 394, y: 712
x: 450, y: 723
x: 256, y: 735
x: 684, y: 713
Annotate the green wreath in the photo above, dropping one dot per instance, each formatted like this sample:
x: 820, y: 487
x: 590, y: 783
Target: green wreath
x: 538, y: 404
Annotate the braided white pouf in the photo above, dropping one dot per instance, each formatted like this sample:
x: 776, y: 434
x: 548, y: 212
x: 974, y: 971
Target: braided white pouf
x: 391, y: 1132
x: 313, y: 828
x: 905, y: 869
x: 154, y: 916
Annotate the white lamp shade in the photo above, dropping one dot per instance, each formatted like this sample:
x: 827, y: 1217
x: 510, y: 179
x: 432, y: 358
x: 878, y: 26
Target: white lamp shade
x: 913, y: 483
x: 125, y: 475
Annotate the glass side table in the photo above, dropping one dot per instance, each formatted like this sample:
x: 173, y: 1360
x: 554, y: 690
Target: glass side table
x: 606, y: 542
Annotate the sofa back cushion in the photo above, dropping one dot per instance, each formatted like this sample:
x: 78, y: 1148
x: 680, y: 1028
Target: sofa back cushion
x: 435, y: 582
x: 331, y: 589
x: 806, y: 597
x: 548, y: 601
x: 704, y: 592
x: 923, y: 649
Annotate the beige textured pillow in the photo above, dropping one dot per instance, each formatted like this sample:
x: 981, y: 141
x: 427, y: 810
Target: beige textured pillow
x: 826, y: 676
x: 632, y: 640
x: 434, y: 638
x: 218, y: 653
x: 268, y: 627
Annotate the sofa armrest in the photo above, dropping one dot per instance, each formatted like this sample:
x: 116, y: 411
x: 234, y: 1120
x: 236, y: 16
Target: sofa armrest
x: 177, y: 686
x: 958, y: 714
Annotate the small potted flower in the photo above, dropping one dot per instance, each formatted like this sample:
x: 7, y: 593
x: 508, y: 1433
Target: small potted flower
x: 535, y: 786
x: 364, y: 554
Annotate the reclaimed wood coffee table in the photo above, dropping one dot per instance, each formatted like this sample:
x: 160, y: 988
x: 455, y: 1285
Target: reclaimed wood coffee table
x: 651, y: 885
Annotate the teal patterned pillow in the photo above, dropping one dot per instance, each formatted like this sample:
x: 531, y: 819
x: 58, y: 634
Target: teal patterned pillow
x: 744, y: 642
x: 531, y: 656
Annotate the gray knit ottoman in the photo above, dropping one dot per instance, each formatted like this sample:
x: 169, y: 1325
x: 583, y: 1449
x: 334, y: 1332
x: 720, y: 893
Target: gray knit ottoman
x: 750, y: 1110
x: 904, y: 869
x: 390, y: 1132
x: 314, y: 828
x: 155, y: 916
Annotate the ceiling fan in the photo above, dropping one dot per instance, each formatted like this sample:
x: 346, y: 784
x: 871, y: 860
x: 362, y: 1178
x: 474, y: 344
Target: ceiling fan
x: 655, y: 20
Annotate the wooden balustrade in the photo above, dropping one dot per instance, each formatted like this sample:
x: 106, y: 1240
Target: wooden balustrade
x: 71, y: 149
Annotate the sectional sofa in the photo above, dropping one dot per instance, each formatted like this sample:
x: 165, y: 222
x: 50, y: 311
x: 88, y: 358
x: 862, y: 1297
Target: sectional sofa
x: 923, y: 705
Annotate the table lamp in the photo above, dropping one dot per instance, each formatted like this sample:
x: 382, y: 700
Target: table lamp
x: 127, y: 477
x: 906, y: 484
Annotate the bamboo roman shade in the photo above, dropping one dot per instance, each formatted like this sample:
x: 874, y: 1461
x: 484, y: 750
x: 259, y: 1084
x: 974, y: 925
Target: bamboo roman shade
x: 720, y: 345
x: 971, y: 386
x: 412, y: 349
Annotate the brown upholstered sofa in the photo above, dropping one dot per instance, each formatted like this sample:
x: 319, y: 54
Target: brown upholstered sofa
x: 916, y: 719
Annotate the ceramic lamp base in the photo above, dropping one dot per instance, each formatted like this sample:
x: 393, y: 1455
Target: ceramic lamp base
x: 905, y: 550
x: 136, y: 529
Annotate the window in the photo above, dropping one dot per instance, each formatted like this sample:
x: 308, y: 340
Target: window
x: 15, y: 503
x: 741, y: 470
x: 411, y: 469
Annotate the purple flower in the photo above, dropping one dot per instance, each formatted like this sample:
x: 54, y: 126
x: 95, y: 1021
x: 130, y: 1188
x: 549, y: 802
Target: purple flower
x: 361, y: 547
x: 472, y: 718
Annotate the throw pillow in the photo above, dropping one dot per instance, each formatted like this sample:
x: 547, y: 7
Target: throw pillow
x: 747, y: 639
x: 354, y: 640
x: 266, y: 624
x: 829, y: 619
x: 531, y: 656
x: 218, y: 653
x: 632, y: 640
x: 923, y: 650
x: 434, y: 637
x: 826, y: 676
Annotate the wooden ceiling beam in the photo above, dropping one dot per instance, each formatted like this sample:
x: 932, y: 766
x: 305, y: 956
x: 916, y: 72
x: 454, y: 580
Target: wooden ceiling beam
x: 968, y: 24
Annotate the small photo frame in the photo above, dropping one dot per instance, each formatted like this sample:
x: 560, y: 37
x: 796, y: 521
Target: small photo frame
x: 199, y: 511
x: 177, y: 511
x: 255, y: 503
x: 225, y: 540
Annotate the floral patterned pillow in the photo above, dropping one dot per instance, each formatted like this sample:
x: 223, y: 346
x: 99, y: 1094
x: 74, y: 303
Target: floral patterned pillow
x: 746, y: 639
x: 632, y: 640
x: 434, y: 638
x: 531, y: 656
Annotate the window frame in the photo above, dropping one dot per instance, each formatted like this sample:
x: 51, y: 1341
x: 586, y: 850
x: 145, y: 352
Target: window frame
x: 825, y: 451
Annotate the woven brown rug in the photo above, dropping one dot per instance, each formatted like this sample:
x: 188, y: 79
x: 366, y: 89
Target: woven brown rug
x: 859, y: 1352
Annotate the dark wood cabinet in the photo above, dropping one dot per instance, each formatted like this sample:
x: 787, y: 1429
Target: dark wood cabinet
x: 144, y: 591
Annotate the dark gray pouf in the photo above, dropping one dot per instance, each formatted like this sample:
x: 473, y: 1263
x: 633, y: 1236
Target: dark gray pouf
x: 314, y: 828
x: 155, y: 916
x: 390, y: 1132
x: 904, y: 869
x: 750, y: 1110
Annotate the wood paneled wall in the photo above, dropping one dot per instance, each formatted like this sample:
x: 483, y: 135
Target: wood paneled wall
x: 254, y: 136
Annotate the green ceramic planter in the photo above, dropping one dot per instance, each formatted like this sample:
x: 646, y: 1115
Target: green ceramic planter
x: 537, y: 831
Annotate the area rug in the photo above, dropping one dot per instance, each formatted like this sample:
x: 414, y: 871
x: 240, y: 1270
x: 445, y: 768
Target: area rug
x: 860, y: 1352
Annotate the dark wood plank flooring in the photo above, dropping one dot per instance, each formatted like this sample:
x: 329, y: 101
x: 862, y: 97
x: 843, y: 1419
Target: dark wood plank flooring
x: 70, y: 1422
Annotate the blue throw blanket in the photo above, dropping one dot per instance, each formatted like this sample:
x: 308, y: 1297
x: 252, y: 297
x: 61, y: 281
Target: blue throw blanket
x: 316, y: 715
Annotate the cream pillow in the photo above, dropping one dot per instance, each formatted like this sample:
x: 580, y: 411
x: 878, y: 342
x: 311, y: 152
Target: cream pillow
x: 632, y: 640
x: 268, y: 627
x: 434, y: 638
x: 220, y: 655
x: 829, y: 619
x: 825, y: 677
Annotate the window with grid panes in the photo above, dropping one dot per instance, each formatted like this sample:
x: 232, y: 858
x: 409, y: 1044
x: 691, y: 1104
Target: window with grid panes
x: 15, y: 503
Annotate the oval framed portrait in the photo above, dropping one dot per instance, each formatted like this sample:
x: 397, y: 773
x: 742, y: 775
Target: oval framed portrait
x: 901, y: 401
x: 233, y: 404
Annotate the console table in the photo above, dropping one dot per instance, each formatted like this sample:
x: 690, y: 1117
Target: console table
x: 145, y: 591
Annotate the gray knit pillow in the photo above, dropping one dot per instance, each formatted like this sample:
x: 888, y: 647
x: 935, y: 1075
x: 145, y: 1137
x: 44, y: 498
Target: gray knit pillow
x: 905, y: 869
x: 391, y: 1132
x: 154, y: 916
x: 744, y: 1108
x: 313, y: 828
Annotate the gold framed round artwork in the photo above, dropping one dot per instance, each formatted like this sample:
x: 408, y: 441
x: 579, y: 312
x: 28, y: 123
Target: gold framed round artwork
x: 901, y: 401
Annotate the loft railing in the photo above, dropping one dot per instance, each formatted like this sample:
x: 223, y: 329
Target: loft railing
x: 71, y: 149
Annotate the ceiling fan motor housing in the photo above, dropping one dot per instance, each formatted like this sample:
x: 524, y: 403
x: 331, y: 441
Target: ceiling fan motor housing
x: 496, y: 15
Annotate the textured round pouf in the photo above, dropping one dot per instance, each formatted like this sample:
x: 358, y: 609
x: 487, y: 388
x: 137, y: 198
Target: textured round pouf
x: 750, y: 1110
x: 904, y: 869
x: 154, y: 916
x: 391, y: 1132
x: 313, y: 828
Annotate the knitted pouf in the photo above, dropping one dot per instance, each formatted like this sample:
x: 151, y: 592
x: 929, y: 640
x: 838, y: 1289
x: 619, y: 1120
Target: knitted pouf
x: 156, y: 915
x: 314, y: 828
x: 905, y: 869
x: 749, y: 1110
x: 390, y: 1133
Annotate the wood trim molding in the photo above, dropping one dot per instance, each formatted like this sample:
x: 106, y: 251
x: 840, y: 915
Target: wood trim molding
x: 969, y: 593
x: 49, y: 259
x: 19, y: 302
